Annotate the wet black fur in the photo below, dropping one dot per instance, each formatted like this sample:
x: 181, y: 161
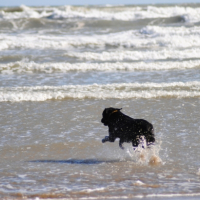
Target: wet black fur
x: 126, y: 128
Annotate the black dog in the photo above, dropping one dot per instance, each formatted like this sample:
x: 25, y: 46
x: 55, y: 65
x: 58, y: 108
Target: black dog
x: 126, y: 128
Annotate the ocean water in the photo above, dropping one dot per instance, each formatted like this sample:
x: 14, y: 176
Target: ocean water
x: 61, y: 66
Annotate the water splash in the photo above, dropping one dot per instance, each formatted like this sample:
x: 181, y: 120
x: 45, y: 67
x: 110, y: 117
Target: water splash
x: 144, y: 155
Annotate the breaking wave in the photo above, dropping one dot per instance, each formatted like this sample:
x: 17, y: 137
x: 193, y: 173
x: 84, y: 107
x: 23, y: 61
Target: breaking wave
x: 95, y: 91
x: 32, y: 67
x: 125, y: 13
x: 147, y: 37
x: 122, y: 55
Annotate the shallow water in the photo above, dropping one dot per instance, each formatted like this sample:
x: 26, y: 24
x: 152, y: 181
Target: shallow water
x: 61, y: 66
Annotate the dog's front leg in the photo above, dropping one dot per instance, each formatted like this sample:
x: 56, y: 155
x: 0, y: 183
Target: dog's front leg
x: 108, y: 138
x: 120, y: 143
x: 105, y: 139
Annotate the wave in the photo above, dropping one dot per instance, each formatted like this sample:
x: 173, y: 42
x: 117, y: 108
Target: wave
x: 125, y: 13
x: 33, y: 67
x: 147, y: 37
x: 108, y: 91
x: 124, y: 55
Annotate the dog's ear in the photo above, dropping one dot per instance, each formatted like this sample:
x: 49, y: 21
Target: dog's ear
x: 116, y: 110
x: 109, y: 111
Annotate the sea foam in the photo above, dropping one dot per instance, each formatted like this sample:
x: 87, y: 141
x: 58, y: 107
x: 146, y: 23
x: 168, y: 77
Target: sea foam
x: 128, y: 13
x: 147, y: 37
x: 123, y: 55
x: 25, y: 66
x: 96, y: 91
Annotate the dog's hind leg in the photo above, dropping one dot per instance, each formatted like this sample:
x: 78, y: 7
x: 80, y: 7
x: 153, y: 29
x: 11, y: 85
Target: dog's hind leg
x: 142, y: 141
x: 135, y: 144
x: 120, y: 143
x: 150, y: 140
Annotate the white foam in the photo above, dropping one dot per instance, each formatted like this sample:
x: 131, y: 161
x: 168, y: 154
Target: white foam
x: 93, y: 190
x: 140, y: 196
x: 173, y: 195
x: 139, y: 183
x: 189, y: 14
x: 121, y: 55
x: 95, y: 91
x: 150, y: 36
x: 155, y: 31
x: 27, y: 12
x: 174, y: 37
x: 37, y: 41
x: 125, y: 13
x: 25, y: 66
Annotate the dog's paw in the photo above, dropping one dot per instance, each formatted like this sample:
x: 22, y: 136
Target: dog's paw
x: 149, y: 145
x: 135, y: 148
x: 105, y: 139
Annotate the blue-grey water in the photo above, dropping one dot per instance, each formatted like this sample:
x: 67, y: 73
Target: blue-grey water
x: 61, y: 66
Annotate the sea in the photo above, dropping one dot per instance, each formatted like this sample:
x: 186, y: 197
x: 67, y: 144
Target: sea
x: 61, y: 66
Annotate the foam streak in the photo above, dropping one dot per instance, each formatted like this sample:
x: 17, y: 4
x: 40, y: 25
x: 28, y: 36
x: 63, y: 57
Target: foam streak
x: 95, y: 91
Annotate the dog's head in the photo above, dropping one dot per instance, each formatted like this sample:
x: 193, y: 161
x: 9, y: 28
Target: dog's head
x: 107, y: 114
